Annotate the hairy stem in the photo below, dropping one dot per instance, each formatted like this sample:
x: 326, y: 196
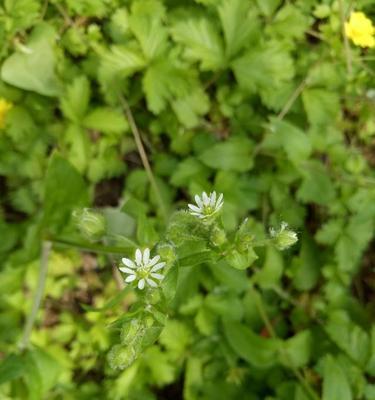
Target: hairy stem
x: 46, y: 249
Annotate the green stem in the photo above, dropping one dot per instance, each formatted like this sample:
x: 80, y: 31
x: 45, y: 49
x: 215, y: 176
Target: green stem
x: 263, y: 314
x: 96, y: 248
x: 143, y: 155
x: 46, y: 249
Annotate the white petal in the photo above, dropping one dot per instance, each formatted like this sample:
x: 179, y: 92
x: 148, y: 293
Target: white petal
x: 138, y: 257
x: 126, y: 270
x: 157, y: 276
x: 153, y: 261
x: 146, y: 256
x: 141, y: 284
x: 213, y: 199
x: 157, y: 267
x: 194, y: 208
x: 205, y: 198
x: 130, y: 278
x: 220, y: 200
x: 151, y: 282
x: 198, y: 201
x: 196, y: 214
x: 128, y: 263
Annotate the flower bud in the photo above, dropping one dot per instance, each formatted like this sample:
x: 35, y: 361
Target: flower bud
x: 90, y: 223
x: 217, y: 236
x: 167, y: 253
x: 284, y: 237
x: 121, y: 357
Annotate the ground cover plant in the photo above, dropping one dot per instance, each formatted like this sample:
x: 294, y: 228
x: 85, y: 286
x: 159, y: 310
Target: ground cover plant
x: 187, y: 199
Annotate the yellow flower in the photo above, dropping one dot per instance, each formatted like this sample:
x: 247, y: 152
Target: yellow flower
x: 360, y: 30
x: 5, y: 106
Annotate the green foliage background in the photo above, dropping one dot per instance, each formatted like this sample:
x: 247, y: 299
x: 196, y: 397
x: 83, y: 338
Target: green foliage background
x: 251, y: 98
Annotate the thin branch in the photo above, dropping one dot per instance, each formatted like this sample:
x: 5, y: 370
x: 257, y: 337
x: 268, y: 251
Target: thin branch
x: 348, y: 54
x: 46, y: 249
x: 288, y: 105
x: 143, y: 155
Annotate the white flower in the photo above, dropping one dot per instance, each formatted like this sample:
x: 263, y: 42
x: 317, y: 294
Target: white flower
x: 142, y: 269
x: 207, y: 206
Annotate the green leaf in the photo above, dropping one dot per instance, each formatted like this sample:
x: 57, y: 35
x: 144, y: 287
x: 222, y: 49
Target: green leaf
x: 35, y: 69
x: 272, y: 269
x: 290, y: 22
x: 241, y: 260
x: 297, y: 349
x: 335, y: 383
x: 75, y: 102
x: 163, y: 82
x: 105, y: 119
x: 306, y: 268
x: 11, y: 367
x: 240, y: 25
x: 316, y: 186
x: 256, y: 350
x: 349, y: 337
x: 201, y: 41
x: 234, y: 154
x: 268, y: 7
x: 295, y: 142
x: 146, y: 23
x: 196, y: 259
x: 64, y: 190
x: 263, y: 66
x: 322, y: 107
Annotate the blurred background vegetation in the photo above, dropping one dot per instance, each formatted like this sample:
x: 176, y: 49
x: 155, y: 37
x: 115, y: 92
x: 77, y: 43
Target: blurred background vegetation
x: 132, y: 107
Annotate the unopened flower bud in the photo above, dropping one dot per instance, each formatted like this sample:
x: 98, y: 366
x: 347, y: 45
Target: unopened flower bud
x: 90, y: 223
x: 218, y: 236
x: 284, y: 237
x: 167, y: 252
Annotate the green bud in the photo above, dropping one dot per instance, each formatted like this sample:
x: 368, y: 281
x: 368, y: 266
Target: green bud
x: 121, y: 357
x: 167, y: 253
x: 218, y: 236
x: 131, y: 330
x: 90, y: 223
x: 284, y: 237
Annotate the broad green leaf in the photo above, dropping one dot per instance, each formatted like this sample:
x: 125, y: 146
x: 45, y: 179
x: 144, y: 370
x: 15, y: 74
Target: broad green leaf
x: 322, y: 106
x: 190, y: 108
x: 272, y: 269
x: 196, y: 259
x: 290, y: 21
x: 349, y: 337
x: 75, y: 102
x: 297, y: 350
x: 34, y: 70
x: 234, y: 154
x: 335, y: 382
x: 263, y: 66
x: 146, y: 23
x: 306, y: 267
x: 48, y: 368
x: 240, y: 25
x: 295, y: 142
x: 201, y: 41
x: 64, y: 190
x: 268, y: 7
x: 256, y: 350
x: 11, y: 367
x: 316, y: 186
x: 105, y: 119
x: 163, y: 82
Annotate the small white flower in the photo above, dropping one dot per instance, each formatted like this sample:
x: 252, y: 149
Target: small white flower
x: 142, y: 269
x: 207, y: 206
